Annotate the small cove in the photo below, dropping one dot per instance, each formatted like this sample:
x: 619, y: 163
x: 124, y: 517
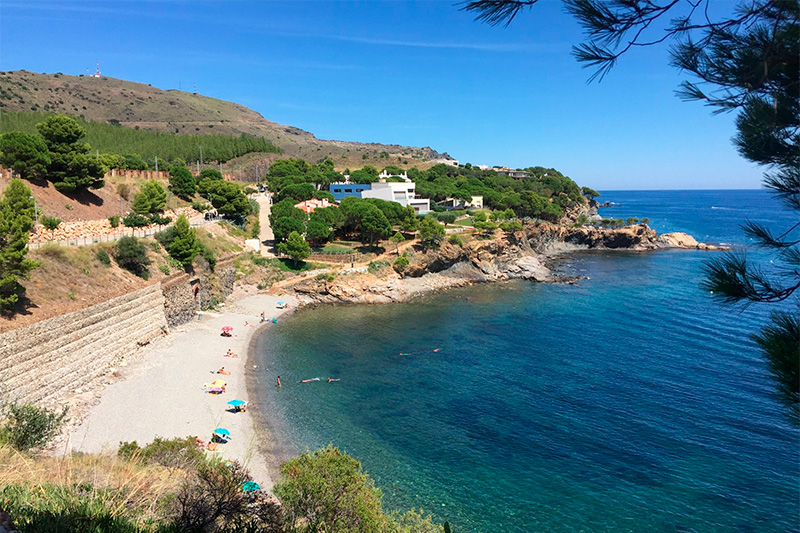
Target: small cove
x: 631, y: 401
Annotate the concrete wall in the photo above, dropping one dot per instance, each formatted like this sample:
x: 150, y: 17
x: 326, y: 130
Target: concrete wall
x: 44, y: 362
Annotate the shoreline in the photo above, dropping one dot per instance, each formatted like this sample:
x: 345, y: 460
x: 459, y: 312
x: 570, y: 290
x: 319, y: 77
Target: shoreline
x: 160, y: 394
x: 163, y: 385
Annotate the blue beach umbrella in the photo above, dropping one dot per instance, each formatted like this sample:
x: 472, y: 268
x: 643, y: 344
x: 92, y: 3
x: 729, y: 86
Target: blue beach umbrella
x: 281, y: 303
x: 236, y: 403
x: 222, y: 432
x: 249, y: 486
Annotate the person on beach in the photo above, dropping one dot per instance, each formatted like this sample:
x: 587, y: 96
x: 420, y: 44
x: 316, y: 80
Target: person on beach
x: 279, y: 381
x: 263, y: 318
x: 223, y: 371
x: 274, y: 320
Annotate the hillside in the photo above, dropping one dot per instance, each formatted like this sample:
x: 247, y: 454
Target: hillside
x: 141, y: 106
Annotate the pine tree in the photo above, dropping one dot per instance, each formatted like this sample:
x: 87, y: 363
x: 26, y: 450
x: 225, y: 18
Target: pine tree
x: 184, y: 246
x: 181, y: 182
x: 295, y: 247
x: 16, y: 221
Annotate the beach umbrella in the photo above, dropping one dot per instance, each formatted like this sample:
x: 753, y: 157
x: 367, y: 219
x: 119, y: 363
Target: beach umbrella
x: 218, y: 383
x: 249, y: 486
x: 236, y: 403
x: 214, y: 389
x: 227, y: 329
x: 281, y: 303
x: 222, y: 433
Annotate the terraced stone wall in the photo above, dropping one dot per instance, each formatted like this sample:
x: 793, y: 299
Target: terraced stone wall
x: 45, y: 362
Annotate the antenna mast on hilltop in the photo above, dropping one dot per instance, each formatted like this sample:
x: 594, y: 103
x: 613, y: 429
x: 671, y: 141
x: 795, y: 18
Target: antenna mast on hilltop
x: 97, y: 72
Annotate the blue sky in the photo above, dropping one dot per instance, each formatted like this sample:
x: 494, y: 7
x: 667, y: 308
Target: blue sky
x: 413, y: 73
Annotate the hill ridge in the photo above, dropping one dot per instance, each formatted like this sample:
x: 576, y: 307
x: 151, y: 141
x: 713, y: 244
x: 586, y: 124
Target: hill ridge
x: 142, y: 106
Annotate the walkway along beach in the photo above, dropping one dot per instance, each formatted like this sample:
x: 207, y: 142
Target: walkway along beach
x: 162, y: 393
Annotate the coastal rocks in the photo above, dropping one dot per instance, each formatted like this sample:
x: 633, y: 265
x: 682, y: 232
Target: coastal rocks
x: 683, y: 240
x: 635, y: 238
x: 639, y: 237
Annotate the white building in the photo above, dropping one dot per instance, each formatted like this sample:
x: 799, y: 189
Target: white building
x: 404, y: 193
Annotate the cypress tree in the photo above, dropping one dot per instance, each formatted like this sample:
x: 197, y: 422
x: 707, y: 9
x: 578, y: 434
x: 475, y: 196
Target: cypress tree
x: 16, y: 221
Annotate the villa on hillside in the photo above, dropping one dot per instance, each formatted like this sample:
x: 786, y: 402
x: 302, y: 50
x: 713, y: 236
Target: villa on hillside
x: 343, y: 189
x: 457, y: 203
x: 309, y: 206
x: 511, y: 173
x: 404, y: 192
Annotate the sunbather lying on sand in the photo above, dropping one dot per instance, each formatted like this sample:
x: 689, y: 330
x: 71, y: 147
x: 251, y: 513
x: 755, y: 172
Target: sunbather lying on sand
x: 223, y: 371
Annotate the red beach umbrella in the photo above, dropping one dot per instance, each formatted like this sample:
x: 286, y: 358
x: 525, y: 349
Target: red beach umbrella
x: 227, y: 329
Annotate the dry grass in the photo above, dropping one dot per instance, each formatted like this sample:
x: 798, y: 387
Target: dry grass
x: 120, y: 486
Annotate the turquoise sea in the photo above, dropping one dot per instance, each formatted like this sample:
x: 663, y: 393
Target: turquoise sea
x: 632, y: 401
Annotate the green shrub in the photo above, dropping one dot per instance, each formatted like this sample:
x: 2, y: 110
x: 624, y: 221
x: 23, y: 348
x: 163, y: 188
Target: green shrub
x: 158, y: 219
x: 50, y: 223
x: 446, y: 217
x: 255, y: 229
x: 131, y: 255
x: 69, y: 207
x: 164, y: 268
x: 376, y: 266
x: 124, y: 190
x: 201, y: 206
x: 328, y: 491
x: 135, y: 220
x: 165, y: 236
x: 151, y: 198
x: 28, y: 427
x: 173, y: 453
x: 511, y: 226
x: 114, y: 221
x: 400, y: 264
x: 103, y: 257
x: 455, y: 239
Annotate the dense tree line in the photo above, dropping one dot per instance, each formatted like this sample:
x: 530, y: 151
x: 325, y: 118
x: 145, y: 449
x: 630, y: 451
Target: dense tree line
x: 142, y: 147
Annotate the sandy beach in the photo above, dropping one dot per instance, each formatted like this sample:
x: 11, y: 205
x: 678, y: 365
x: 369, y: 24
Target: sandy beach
x: 162, y: 395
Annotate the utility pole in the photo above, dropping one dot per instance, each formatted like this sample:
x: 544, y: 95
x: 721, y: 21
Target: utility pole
x: 36, y: 213
x: 156, y: 158
x: 201, y: 156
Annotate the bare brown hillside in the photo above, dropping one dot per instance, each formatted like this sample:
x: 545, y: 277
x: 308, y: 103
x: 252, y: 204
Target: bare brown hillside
x: 137, y: 105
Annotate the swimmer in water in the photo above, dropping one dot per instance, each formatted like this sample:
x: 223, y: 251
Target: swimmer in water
x: 309, y: 380
x: 436, y: 350
x: 331, y: 380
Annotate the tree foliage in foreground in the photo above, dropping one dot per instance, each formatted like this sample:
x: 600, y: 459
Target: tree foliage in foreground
x: 745, y: 62
x: 327, y: 490
x: 16, y: 221
x: 28, y: 427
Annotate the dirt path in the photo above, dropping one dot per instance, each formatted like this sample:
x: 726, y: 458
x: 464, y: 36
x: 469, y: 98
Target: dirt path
x: 266, y: 236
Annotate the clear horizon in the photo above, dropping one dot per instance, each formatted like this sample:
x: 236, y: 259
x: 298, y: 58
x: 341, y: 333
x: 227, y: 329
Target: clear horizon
x: 418, y: 74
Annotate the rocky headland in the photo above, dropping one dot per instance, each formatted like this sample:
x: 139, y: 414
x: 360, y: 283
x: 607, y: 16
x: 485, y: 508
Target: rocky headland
x: 526, y: 254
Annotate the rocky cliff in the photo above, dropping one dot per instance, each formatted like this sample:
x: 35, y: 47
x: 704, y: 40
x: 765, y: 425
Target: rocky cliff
x: 520, y: 255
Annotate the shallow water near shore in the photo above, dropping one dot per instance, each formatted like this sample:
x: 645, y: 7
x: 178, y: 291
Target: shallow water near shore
x: 631, y: 401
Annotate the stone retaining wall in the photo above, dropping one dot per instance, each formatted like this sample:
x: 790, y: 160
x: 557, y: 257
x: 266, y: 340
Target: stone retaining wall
x: 46, y: 361
x: 179, y: 300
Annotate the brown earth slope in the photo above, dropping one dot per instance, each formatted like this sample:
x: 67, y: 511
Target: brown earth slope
x: 139, y: 105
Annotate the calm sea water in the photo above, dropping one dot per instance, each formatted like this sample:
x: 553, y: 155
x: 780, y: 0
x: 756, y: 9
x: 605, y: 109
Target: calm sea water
x: 630, y: 402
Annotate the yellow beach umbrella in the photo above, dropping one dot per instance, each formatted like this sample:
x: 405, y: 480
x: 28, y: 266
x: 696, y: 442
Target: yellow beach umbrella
x: 218, y: 383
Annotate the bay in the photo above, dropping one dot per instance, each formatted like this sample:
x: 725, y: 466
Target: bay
x: 631, y: 401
